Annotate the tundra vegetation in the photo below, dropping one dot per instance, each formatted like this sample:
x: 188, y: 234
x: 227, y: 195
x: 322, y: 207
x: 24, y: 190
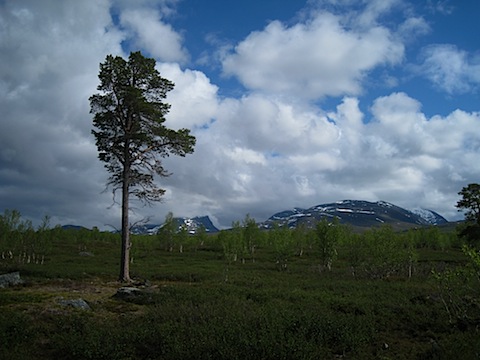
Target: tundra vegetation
x: 321, y: 293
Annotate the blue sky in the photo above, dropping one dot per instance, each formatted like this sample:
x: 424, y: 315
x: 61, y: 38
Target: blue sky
x: 293, y: 103
x: 446, y: 22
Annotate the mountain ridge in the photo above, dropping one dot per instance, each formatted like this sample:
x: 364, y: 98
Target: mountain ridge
x: 192, y: 225
x: 357, y: 213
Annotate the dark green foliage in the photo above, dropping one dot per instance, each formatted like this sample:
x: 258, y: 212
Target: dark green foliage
x: 470, y: 203
x: 20, y: 243
x: 380, y: 253
x: 302, y: 240
x: 328, y: 235
x: 282, y: 241
x: 470, y: 232
x: 128, y: 117
x: 431, y: 238
x: 459, y: 288
x: 241, y: 241
x: 16, y: 335
x: 166, y: 235
x: 190, y: 324
x: 79, y: 336
x: 250, y: 236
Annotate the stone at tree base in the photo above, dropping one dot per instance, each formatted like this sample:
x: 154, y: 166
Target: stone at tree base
x: 75, y: 303
x: 142, y: 283
x: 85, y: 253
x: 134, y: 295
x: 10, y: 279
x: 127, y: 292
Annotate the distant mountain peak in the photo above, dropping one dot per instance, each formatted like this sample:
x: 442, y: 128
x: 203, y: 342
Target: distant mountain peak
x: 430, y: 216
x: 358, y: 213
x: 192, y: 225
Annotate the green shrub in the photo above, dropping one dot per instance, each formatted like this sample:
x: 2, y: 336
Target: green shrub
x: 16, y: 335
x: 459, y: 288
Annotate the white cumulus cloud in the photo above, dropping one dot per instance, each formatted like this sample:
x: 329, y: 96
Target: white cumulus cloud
x: 150, y: 32
x: 314, y: 59
x: 450, y: 68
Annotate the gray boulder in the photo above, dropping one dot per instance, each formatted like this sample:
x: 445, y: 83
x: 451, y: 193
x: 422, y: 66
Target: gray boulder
x: 133, y: 295
x: 128, y: 292
x: 86, y: 254
x: 75, y: 303
x: 10, y: 279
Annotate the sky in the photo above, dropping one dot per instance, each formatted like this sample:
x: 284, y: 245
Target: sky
x: 292, y: 103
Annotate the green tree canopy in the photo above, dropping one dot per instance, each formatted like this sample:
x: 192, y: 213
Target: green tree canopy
x: 470, y: 203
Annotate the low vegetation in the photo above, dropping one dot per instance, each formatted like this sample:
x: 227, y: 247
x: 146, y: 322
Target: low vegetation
x: 323, y: 293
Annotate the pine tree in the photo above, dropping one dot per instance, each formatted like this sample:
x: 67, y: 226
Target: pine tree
x: 129, y: 115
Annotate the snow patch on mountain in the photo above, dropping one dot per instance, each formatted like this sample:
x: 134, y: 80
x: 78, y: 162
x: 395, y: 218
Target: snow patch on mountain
x: 430, y: 216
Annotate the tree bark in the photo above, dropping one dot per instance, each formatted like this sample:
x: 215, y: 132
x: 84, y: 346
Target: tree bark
x: 125, y: 254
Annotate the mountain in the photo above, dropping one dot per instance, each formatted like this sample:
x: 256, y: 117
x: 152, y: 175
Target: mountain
x: 192, y: 225
x: 357, y: 213
x: 430, y: 216
x: 145, y: 229
x: 73, y: 227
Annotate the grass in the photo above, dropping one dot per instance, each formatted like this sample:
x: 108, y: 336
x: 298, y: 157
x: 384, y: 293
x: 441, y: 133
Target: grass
x: 201, y: 307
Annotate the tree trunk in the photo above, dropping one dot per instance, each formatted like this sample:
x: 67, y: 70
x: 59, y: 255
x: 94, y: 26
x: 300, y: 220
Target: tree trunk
x: 125, y: 255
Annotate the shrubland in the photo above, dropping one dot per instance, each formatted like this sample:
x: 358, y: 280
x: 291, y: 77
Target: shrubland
x: 321, y: 293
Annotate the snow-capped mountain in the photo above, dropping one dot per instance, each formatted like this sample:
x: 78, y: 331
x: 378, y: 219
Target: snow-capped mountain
x: 145, y: 229
x: 194, y: 224
x: 357, y: 213
x: 191, y: 224
x: 430, y: 216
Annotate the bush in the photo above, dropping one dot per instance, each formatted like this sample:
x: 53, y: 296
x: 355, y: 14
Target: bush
x: 16, y: 335
x: 459, y: 288
x: 380, y: 253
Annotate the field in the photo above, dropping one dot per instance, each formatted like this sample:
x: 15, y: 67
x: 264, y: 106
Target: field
x: 267, y: 302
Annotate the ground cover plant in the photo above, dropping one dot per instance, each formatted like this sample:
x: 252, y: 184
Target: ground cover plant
x: 322, y: 293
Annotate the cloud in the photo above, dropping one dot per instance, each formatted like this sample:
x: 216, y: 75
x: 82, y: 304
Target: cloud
x: 412, y: 28
x: 321, y: 57
x: 440, y: 6
x: 450, y: 69
x: 420, y: 151
x: 48, y: 160
x: 248, y: 160
x: 148, y: 31
x: 374, y: 9
x: 194, y: 98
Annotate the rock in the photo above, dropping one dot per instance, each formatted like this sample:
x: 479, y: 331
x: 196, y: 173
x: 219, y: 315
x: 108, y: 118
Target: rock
x: 133, y: 295
x: 75, y: 303
x: 127, y: 292
x: 10, y: 279
x: 85, y: 253
x: 142, y: 283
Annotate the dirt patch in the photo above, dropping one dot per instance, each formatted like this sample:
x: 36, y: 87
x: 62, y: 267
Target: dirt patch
x: 47, y: 295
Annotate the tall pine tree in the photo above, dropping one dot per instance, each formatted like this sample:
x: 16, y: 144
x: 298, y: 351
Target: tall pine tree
x: 129, y: 115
